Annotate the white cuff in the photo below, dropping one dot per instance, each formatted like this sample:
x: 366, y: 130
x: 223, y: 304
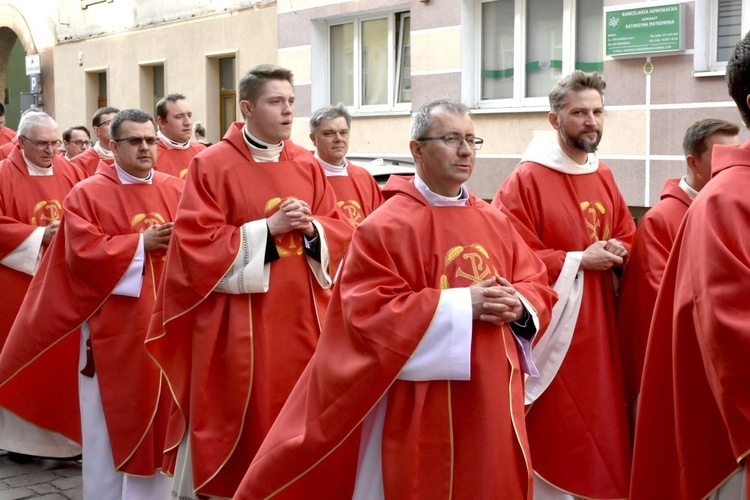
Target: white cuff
x: 132, y: 280
x: 445, y: 350
x: 26, y: 257
x: 249, y: 272
x: 320, y: 269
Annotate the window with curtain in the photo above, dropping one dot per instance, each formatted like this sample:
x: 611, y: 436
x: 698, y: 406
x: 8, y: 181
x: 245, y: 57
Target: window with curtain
x: 527, y: 45
x: 370, y: 62
x: 719, y: 25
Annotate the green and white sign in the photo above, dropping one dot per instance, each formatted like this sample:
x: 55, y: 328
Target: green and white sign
x: 645, y: 30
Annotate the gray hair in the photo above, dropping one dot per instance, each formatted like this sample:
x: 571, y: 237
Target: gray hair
x: 574, y: 82
x: 422, y: 122
x: 330, y: 113
x: 132, y: 115
x: 33, y: 118
x: 252, y: 83
x: 694, y: 142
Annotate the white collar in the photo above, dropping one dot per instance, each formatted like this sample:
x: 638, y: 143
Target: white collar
x: 689, y: 190
x: 545, y: 150
x: 35, y: 170
x: 438, y: 200
x: 170, y: 144
x: 126, y: 178
x: 104, y: 153
x: 265, y: 153
x: 333, y: 170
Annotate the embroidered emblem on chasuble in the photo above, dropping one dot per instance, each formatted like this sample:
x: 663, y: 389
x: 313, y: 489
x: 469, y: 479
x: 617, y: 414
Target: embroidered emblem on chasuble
x: 353, y: 210
x: 141, y: 222
x: 465, y: 266
x: 287, y: 244
x: 46, y: 211
x: 183, y: 173
x: 595, y: 215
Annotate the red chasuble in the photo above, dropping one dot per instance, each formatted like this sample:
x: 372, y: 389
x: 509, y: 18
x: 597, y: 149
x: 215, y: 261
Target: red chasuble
x: 358, y: 193
x: 578, y: 427
x: 643, y: 272
x: 89, y: 161
x: 26, y: 202
x: 93, y: 248
x: 6, y: 135
x: 5, y: 149
x: 693, y: 427
x: 175, y: 161
x: 441, y: 438
x: 232, y: 359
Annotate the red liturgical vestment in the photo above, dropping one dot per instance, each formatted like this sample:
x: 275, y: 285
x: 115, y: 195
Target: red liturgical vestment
x: 693, y: 424
x: 26, y: 203
x: 232, y: 358
x: 440, y: 438
x: 95, y: 244
x: 358, y: 194
x: 578, y: 427
x: 643, y: 273
x: 175, y: 161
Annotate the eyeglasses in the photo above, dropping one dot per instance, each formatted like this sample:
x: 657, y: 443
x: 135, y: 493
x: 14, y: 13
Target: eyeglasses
x: 80, y: 143
x: 455, y: 141
x: 137, y: 141
x: 104, y: 124
x: 43, y: 144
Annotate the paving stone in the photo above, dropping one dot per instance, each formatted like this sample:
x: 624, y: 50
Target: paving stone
x: 17, y: 494
x: 31, y: 478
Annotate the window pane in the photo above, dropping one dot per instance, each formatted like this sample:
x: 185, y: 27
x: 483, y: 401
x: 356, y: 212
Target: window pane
x: 729, y: 29
x: 227, y: 80
x: 543, y: 46
x: 589, y: 35
x: 158, y: 82
x: 497, y: 49
x: 342, y: 64
x: 375, y: 62
x: 404, y: 58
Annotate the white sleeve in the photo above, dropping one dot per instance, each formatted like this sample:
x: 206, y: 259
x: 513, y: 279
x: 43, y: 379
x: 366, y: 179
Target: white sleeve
x: 26, y: 257
x: 445, y: 350
x: 249, y: 273
x: 132, y: 280
x: 524, y: 344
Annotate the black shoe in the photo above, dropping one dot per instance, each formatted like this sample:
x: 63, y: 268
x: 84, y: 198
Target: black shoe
x: 20, y: 458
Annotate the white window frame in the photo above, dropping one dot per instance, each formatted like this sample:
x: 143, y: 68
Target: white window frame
x: 472, y: 15
x: 706, y: 35
x: 357, y: 108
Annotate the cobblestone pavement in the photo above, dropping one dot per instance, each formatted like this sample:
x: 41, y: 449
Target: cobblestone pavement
x: 40, y: 479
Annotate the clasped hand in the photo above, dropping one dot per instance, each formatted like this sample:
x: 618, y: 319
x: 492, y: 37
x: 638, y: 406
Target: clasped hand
x: 157, y: 237
x: 495, y: 301
x: 603, y: 255
x: 292, y: 214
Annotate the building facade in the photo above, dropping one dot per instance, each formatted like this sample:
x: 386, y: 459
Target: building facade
x: 384, y: 58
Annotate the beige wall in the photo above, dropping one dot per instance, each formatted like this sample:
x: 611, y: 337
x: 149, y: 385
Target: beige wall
x: 184, y: 48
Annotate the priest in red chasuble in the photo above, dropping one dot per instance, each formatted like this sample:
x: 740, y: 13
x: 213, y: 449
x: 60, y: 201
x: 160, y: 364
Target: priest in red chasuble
x: 356, y: 190
x: 416, y: 389
x: 566, y: 205
x: 99, y: 278
x: 100, y: 154
x: 176, y: 150
x: 653, y: 243
x: 257, y: 236
x: 692, y: 434
x: 34, y: 181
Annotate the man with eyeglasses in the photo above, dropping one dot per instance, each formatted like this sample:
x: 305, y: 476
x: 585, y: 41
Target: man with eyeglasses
x: 566, y: 205
x: 34, y: 181
x: 76, y: 141
x: 355, y: 188
x: 101, y: 274
x: 176, y: 150
x: 417, y: 381
x: 99, y: 154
